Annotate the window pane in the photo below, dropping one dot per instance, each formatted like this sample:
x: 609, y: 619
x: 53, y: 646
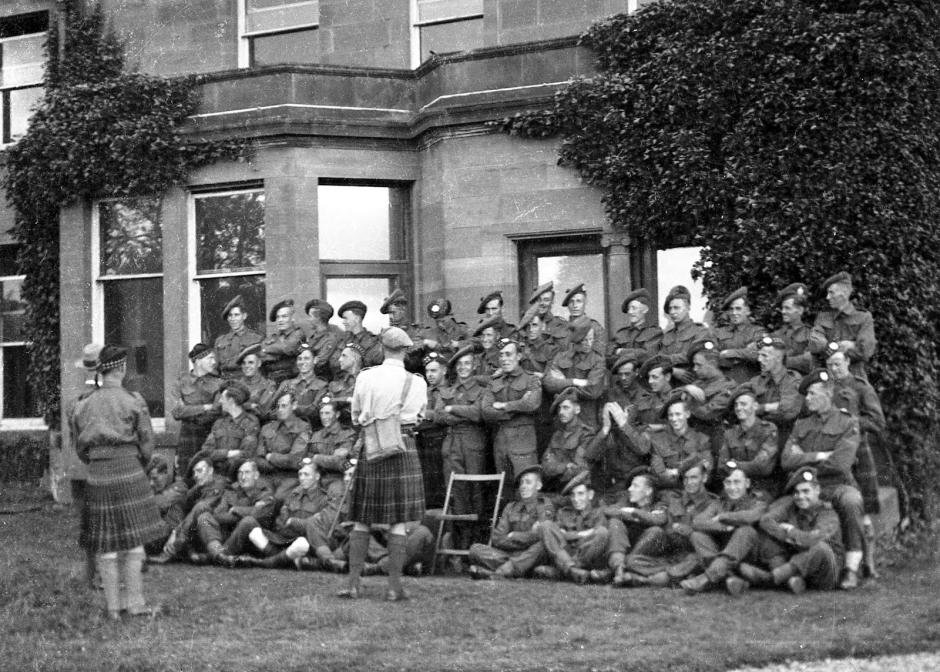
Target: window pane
x: 674, y: 267
x: 133, y: 318
x: 354, y: 222
x: 263, y: 15
x: 8, y: 259
x: 433, y: 10
x: 567, y: 271
x: 22, y: 102
x: 442, y: 38
x: 299, y: 46
x: 19, y: 401
x: 23, y: 59
x: 230, y: 232
x: 12, y: 311
x: 216, y: 292
x: 371, y: 291
x: 131, y: 236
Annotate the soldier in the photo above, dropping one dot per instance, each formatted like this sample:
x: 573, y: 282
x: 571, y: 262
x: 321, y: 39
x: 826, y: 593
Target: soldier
x: 655, y: 377
x: 641, y: 333
x: 538, y: 349
x: 828, y: 440
x: 517, y: 547
x: 486, y: 333
x: 576, y: 540
x: 679, y: 336
x: 307, y: 389
x: 711, y: 391
x: 324, y: 339
x: 430, y: 435
x: 622, y: 457
x: 170, y: 496
x: 491, y: 307
x: 575, y: 448
x: 678, y: 446
x: 625, y: 389
x: 737, y: 341
x: 853, y: 329
x: 629, y: 517
x: 510, y: 402
x: 794, y: 332
x: 229, y: 346
x: 447, y: 335
x: 280, y: 349
x: 723, y: 534
x: 777, y: 389
x: 344, y: 382
x: 396, y: 307
x: 581, y: 367
x: 260, y: 389
x: 196, y: 404
x: 805, y: 545
x: 332, y: 447
x: 554, y: 328
x: 234, y: 436
x: 352, y: 313
x: 751, y: 443
x: 576, y: 301
x: 282, y: 444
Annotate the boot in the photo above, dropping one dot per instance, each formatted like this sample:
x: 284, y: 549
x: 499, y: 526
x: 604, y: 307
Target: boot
x: 736, y: 585
x: 218, y: 555
x: 659, y: 580
x: 110, y: 582
x: 601, y: 576
x: 276, y: 561
x: 755, y: 575
x: 546, y: 572
x: 697, y: 584
x: 307, y: 564
x: 783, y: 573
x: 578, y: 575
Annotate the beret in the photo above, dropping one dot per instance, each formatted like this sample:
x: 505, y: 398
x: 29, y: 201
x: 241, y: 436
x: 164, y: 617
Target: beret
x: 355, y: 306
x: 284, y: 303
x: 567, y: 394
x: 674, y: 397
x: 157, y: 462
x: 199, y: 351
x: 506, y: 342
x: 740, y: 391
x: 469, y: 349
x: 628, y: 355
x: 769, y: 341
x: 571, y: 293
x: 677, y: 292
x: 527, y: 316
x: 578, y: 328
x: 486, y: 323
x: 253, y: 349
x: 706, y: 346
x: 112, y: 356
x: 702, y: 464
x: 326, y: 310
x: 643, y: 470
x: 497, y: 294
x: 841, y: 276
x: 327, y: 400
x: 739, y: 293
x: 578, y: 479
x: 813, y: 377
x: 397, y: 296
x: 235, y: 302
x: 541, y: 289
x: 642, y: 295
x: 355, y: 347
x: 435, y: 356
x: 655, y: 362
x: 727, y: 468
x: 833, y: 347
x: 439, y: 308
x: 396, y: 339
x: 89, y: 358
x: 802, y: 475
x: 534, y: 469
x: 796, y: 290
x: 238, y: 391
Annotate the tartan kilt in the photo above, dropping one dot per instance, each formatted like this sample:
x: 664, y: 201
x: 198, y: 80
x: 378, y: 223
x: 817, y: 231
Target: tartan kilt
x: 192, y: 436
x: 122, y: 512
x: 388, y: 491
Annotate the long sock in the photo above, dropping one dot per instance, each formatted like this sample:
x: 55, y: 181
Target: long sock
x: 396, y: 560
x: 132, y: 563
x: 358, y: 547
x: 108, y: 568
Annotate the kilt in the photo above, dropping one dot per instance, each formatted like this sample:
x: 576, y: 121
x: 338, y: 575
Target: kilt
x: 388, y: 491
x: 122, y: 512
x: 192, y: 436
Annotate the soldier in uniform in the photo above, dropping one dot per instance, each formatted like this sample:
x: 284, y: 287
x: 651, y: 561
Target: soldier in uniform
x: 635, y: 511
x: 279, y: 350
x: 711, y: 392
x: 447, y: 335
x: 679, y: 336
x: 353, y: 313
x: 676, y: 447
x: 625, y: 389
x: 622, y: 457
x: 430, y: 434
x: 828, y: 440
x: 196, y: 404
x: 575, y: 448
x: 794, y: 332
x: 641, y: 333
x: 737, y: 340
x: 307, y: 389
x: 331, y: 447
x: 853, y: 329
x: 655, y: 377
x: 344, y: 382
x: 517, y: 547
x: 751, y: 443
x: 396, y: 307
x: 282, y: 444
x: 576, y: 539
x: 511, y: 401
x: 491, y: 307
x: 234, y: 437
x: 581, y: 367
x: 486, y: 333
x: 324, y: 339
x: 260, y: 389
x: 723, y: 534
x: 229, y: 346
x: 554, y: 328
x: 576, y: 302
x: 777, y: 388
x: 170, y: 496
x: 537, y: 353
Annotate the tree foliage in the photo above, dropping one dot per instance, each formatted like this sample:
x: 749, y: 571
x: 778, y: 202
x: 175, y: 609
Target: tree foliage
x: 790, y: 139
x: 98, y: 131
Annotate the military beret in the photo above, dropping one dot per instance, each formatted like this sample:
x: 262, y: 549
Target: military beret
x: 439, y: 308
x: 571, y: 293
x: 841, y: 276
x: 469, y: 349
x: 253, y: 349
x: 580, y: 478
x: 674, y: 397
x: 285, y: 303
x: 567, y: 394
x: 199, y: 351
x: 706, y: 346
x: 642, y: 295
x: 541, y: 289
x: 324, y: 308
x: 434, y: 356
x: 677, y: 292
x: 355, y: 347
x: 90, y: 354
x: 813, y: 377
x: 727, y: 468
x: 629, y: 355
x: 655, y: 362
x: 768, y: 341
x: 739, y: 293
x: 740, y: 391
x: 534, y: 469
x: 492, y: 321
x: 237, y: 391
x: 497, y: 294
x: 527, y: 316
x: 833, y: 348
x: 394, y: 338
x: 802, y: 475
x: 796, y: 290
x: 703, y: 464
x: 111, y: 357
x: 357, y: 307
x: 643, y: 470
x: 235, y: 302
x: 578, y: 328
x: 505, y: 342
x: 397, y: 297
x: 327, y: 400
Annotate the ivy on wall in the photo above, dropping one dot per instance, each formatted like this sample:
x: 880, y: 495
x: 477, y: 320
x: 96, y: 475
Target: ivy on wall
x: 790, y: 139
x: 98, y: 131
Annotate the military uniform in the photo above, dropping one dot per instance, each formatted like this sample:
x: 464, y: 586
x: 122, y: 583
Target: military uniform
x: 668, y: 450
x: 341, y: 387
x: 447, y: 333
x: 227, y: 434
x: 740, y: 363
x: 564, y: 544
x: 708, y: 415
x: 308, y: 391
x: 627, y: 529
x: 372, y: 353
x: 858, y: 397
x: 279, y: 353
x: 622, y: 457
x: 649, y: 407
x: 573, y: 448
x: 537, y: 356
x: 238, y: 512
x: 430, y: 440
x: 573, y: 363
x: 851, y: 324
x: 192, y: 393
x: 782, y: 388
x: 326, y: 345
x: 754, y: 449
x: 647, y: 338
x: 229, y: 346
x: 796, y: 338
x: 260, y: 395
x: 331, y: 448
x: 199, y: 499
x: 514, y: 540
x: 514, y: 442
x: 679, y: 338
x: 723, y: 535
x: 286, y: 441
x: 555, y: 328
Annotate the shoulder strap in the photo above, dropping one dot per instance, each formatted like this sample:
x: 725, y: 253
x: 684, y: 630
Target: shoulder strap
x: 406, y: 388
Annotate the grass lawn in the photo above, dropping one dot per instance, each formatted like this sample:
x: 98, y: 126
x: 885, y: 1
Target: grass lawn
x: 218, y: 619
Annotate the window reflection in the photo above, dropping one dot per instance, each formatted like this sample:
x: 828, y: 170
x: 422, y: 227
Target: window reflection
x: 371, y: 291
x: 354, y: 222
x: 131, y: 236
x: 230, y: 232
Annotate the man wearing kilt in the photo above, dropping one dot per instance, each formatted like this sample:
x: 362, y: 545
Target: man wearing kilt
x: 387, y: 487
x: 114, y: 438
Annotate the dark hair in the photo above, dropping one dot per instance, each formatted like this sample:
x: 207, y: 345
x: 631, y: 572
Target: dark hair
x: 237, y: 392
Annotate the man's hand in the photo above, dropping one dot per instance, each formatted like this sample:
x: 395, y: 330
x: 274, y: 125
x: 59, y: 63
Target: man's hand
x: 579, y: 382
x: 233, y: 453
x: 499, y: 405
x: 823, y: 456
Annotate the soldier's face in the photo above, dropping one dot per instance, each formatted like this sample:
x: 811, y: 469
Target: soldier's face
x: 247, y: 475
x: 791, y: 311
x: 465, y: 367
x: 739, y: 311
x: 534, y: 330
x: 236, y: 318
x: 567, y: 410
x: 626, y: 374
x: 250, y: 365
x: 581, y: 497
x: 736, y: 485
x: 576, y: 305
x: 434, y: 372
x: 678, y: 310
x: 636, y: 312
x: 283, y: 318
x: 488, y: 338
x: 159, y: 479
x: 202, y: 472
x: 347, y: 360
x: 305, y: 362
x: 745, y: 407
x: 678, y: 417
x: 546, y: 299
x: 509, y: 358
x: 838, y: 295
x: 818, y: 398
x: 396, y: 312
x: 351, y: 320
x: 838, y: 365
x: 328, y: 415
x: 529, y: 485
x: 285, y: 407
x: 493, y: 307
x: 701, y: 366
x: 639, y: 491
x: 657, y: 379
x: 693, y: 480
x: 806, y: 494
x: 769, y: 358
x: 307, y: 476
x: 206, y: 364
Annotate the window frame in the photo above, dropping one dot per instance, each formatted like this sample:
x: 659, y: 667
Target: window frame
x: 18, y: 422
x: 417, y: 24
x: 245, y: 36
x: 6, y: 138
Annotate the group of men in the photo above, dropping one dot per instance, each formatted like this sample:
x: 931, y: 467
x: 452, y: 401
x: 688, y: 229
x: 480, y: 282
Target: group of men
x: 734, y: 455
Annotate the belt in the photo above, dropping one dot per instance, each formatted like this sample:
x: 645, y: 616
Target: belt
x: 409, y: 430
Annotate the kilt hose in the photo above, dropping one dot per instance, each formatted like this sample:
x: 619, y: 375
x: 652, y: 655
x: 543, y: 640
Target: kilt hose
x: 388, y: 491
x: 122, y: 512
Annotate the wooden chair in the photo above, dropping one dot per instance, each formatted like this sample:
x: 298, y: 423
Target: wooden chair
x: 446, y: 515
